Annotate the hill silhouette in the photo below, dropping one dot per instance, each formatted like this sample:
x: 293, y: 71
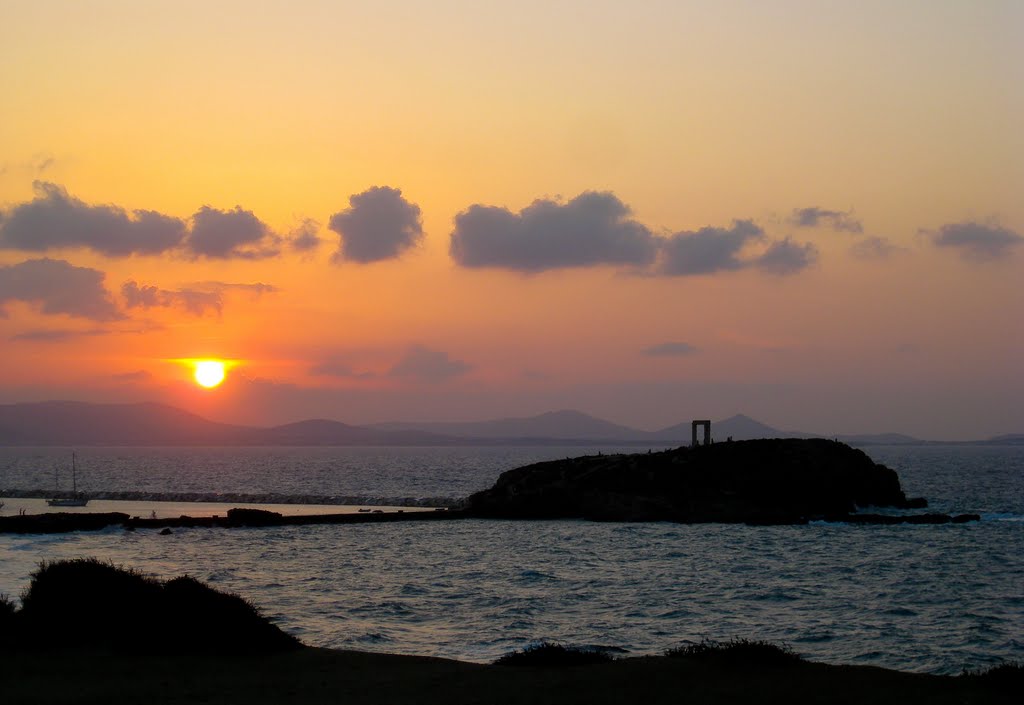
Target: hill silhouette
x: 72, y: 423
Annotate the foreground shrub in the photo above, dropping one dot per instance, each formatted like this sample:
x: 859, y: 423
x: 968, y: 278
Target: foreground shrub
x: 750, y: 652
x: 86, y: 602
x: 1006, y: 677
x: 547, y: 654
x: 7, y: 617
x: 234, y: 622
x: 70, y: 601
x: 7, y: 608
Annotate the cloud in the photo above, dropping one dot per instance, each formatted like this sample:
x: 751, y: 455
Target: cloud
x: 58, y: 287
x: 136, y: 376
x: 338, y: 368
x: 708, y: 250
x: 874, y: 248
x: 193, y: 301
x: 56, y: 335
x: 237, y: 233
x: 54, y: 220
x: 977, y: 242
x: 670, y: 350
x: 592, y: 229
x: 785, y: 257
x: 305, y: 238
x: 379, y: 224
x: 837, y: 220
x: 425, y: 365
x: 256, y: 289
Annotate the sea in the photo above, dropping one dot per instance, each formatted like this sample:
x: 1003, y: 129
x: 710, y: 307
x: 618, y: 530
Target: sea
x: 934, y: 599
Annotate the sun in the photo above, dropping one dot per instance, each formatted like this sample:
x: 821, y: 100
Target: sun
x: 209, y: 373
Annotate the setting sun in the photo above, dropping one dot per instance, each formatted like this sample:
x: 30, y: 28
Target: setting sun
x: 209, y: 373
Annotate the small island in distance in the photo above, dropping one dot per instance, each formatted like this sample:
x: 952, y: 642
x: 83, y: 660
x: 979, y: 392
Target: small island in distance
x: 70, y: 423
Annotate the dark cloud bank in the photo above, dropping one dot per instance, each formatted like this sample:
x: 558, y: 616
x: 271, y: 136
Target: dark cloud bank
x: 595, y: 229
x: 56, y: 220
x: 58, y: 287
x: 977, y: 242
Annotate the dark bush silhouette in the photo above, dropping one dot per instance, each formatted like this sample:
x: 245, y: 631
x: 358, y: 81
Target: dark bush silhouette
x: 7, y: 608
x: 1003, y: 677
x: 551, y: 655
x: 86, y: 602
x: 236, y: 623
x: 7, y: 618
x: 747, y: 652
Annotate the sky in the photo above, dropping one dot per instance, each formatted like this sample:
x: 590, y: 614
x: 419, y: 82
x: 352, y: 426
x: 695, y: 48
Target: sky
x: 810, y: 213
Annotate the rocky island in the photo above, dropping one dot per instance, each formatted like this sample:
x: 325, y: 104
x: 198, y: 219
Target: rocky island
x: 768, y: 481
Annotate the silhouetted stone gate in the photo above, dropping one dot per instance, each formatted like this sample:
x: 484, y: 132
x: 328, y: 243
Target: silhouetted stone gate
x: 706, y: 423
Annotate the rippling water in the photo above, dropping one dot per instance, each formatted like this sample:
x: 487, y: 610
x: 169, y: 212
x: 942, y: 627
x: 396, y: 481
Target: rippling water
x: 920, y: 598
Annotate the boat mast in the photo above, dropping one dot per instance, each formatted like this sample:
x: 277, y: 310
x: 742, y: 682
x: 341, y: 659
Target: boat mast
x: 74, y: 476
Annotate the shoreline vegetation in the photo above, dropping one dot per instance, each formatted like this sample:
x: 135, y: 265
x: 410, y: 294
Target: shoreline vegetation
x: 88, y: 631
x: 760, y: 482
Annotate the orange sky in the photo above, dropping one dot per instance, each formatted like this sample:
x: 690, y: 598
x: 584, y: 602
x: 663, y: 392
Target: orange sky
x: 808, y: 214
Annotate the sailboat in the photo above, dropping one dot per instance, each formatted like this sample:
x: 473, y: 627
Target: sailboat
x: 76, y: 499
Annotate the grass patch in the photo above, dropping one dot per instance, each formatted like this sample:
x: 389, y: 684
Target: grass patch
x: 548, y: 654
x: 747, y: 652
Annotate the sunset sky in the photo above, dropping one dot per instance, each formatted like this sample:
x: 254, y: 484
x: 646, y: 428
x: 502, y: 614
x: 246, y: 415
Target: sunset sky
x: 811, y: 213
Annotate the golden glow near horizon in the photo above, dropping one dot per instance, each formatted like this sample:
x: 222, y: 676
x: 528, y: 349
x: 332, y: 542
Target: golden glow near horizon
x: 846, y: 195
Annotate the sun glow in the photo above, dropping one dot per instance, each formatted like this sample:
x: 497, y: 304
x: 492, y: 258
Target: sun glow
x: 209, y: 373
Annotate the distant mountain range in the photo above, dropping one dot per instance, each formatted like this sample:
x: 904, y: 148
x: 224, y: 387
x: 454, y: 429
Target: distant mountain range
x: 67, y: 423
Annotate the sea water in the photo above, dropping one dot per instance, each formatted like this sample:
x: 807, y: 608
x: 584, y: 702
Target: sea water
x: 917, y: 598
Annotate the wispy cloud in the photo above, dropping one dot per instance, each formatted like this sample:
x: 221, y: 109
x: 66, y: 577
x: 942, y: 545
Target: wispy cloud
x: 670, y: 349
x: 335, y: 367
x: 875, y: 248
x: 305, y: 238
x: 45, y: 335
x: 193, y: 301
x: 134, y: 376
x: 814, y: 217
x: 422, y: 364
